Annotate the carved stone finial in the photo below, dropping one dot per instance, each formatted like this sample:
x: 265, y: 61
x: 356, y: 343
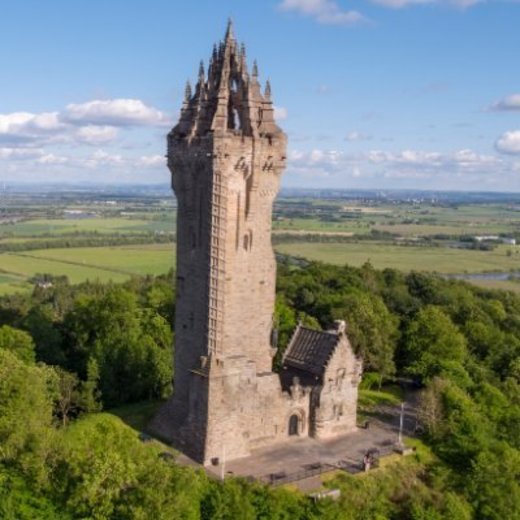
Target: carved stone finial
x: 267, y: 92
x: 187, y: 92
x: 340, y: 326
x: 229, y: 30
x: 254, y: 72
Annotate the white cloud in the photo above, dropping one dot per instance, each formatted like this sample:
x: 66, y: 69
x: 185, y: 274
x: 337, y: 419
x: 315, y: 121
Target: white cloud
x: 357, y: 136
x: 93, y: 123
x: 100, y: 158
x: 509, y: 143
x: 322, y: 89
x: 464, y: 160
x: 323, y: 11
x: 400, y: 4
x: 280, y: 113
x: 509, y: 103
x: 25, y: 127
x: 152, y: 161
x: 437, y: 167
x: 23, y: 121
x: 20, y: 153
x: 114, y: 112
x: 96, y: 135
x: 50, y: 158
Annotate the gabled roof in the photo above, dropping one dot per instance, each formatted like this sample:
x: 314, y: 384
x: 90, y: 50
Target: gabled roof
x: 310, y: 350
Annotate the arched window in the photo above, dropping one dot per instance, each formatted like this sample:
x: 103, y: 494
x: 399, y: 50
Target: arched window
x: 236, y: 119
x: 293, y: 425
x: 248, y: 240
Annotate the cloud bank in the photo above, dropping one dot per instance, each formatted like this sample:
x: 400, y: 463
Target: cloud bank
x: 326, y: 12
x: 95, y: 122
x: 509, y: 143
x: 508, y: 104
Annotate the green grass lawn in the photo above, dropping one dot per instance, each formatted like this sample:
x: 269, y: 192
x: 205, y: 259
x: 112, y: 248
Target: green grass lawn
x: 136, y: 415
x: 405, y: 258
x: 98, y: 224
x: 369, y: 399
x: 505, y: 285
x: 414, y: 230
x: 316, y: 225
x: 92, y: 263
x: 10, y: 284
x: 137, y: 259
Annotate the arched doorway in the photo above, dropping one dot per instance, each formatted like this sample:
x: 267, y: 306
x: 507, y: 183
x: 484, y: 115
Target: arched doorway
x: 293, y: 424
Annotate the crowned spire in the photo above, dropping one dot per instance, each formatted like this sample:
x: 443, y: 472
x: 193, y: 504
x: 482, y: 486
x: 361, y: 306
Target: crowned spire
x: 228, y: 98
x: 187, y: 92
x: 229, y: 30
x: 267, y: 91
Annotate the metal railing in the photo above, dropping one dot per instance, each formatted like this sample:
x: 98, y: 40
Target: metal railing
x: 311, y: 470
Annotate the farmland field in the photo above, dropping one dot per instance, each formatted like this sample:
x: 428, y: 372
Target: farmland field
x: 85, y: 225
x: 80, y: 264
x: 406, y: 258
x: 87, y: 235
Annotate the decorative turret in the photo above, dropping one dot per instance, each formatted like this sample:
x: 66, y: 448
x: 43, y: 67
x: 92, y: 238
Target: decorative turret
x: 228, y: 99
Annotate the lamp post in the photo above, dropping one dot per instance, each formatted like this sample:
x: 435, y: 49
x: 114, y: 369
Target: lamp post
x: 223, y: 464
x: 401, y: 422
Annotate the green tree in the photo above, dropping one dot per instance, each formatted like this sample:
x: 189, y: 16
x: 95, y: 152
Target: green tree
x: 90, y: 396
x: 131, y: 346
x: 67, y: 394
x: 41, y: 323
x: 26, y: 404
x: 18, y: 342
x: 494, y: 483
x: 433, y: 346
x: 372, y: 330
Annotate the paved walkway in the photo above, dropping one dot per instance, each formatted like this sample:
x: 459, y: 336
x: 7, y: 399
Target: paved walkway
x: 304, y: 454
x: 309, y: 457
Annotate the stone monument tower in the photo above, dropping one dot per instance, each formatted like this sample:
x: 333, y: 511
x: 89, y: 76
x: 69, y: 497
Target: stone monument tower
x: 226, y: 156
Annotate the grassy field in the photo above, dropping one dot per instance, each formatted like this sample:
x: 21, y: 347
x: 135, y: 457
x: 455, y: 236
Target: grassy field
x: 406, y: 258
x: 296, y: 216
x: 85, y: 263
x: 505, y: 285
x: 409, y: 230
x: 86, y: 225
x: 402, y: 219
x: 316, y: 226
x: 137, y: 415
x: 10, y: 284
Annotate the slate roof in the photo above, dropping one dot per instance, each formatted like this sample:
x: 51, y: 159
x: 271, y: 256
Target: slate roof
x: 310, y: 350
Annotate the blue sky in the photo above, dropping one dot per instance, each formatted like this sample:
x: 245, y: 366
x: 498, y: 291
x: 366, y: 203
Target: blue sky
x: 373, y: 94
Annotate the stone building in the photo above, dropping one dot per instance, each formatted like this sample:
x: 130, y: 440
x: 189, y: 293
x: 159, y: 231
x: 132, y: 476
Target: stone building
x: 226, y: 156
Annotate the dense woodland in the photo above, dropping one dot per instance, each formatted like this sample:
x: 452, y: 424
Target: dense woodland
x: 68, y: 352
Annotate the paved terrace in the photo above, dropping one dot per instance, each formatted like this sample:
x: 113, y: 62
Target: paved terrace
x: 302, y: 454
x: 306, y: 455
